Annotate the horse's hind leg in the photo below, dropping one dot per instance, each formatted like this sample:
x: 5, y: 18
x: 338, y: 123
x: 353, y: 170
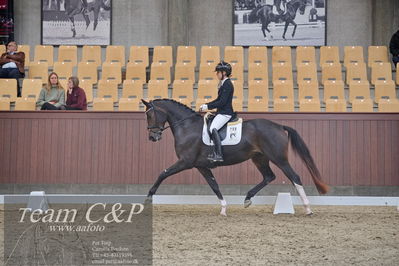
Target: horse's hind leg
x: 262, y: 163
x: 73, y: 26
x: 207, y: 174
x: 87, y: 19
x: 296, y: 181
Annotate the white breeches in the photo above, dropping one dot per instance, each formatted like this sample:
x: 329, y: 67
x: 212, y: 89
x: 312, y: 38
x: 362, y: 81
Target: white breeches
x: 219, y: 121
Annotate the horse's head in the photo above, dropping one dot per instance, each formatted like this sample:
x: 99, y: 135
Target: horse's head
x: 302, y: 6
x: 156, y: 119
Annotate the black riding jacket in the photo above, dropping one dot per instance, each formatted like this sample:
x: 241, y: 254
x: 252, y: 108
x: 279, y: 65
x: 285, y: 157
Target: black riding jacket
x: 224, y: 101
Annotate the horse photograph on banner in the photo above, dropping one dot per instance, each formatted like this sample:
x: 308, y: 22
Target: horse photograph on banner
x: 280, y: 22
x: 76, y: 22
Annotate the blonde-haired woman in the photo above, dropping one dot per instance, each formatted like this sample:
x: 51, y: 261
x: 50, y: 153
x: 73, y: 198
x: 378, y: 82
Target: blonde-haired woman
x: 52, y: 96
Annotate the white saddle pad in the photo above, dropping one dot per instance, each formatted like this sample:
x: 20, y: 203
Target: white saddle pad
x: 233, y: 134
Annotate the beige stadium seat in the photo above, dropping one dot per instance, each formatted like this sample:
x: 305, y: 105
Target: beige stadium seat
x: 329, y: 55
x: 258, y: 71
x: 132, y: 93
x: 184, y: 71
x: 234, y: 55
x: 187, y: 55
x: 384, y: 89
x: 238, y: 96
x: 380, y: 72
x: 87, y: 86
x: 129, y: 104
x: 353, y: 54
x: 88, y: 71
x: 115, y: 54
x: 4, y: 104
x: 39, y: 70
x: 282, y: 72
x: 132, y: 89
x: 388, y: 106
x: 334, y: 89
x: 308, y: 89
x: 25, y: 104
x: 258, y: 90
x: 92, y: 54
x: 8, y: 89
x: 362, y: 105
x: 307, y: 72
x: 257, y: 54
x: 377, y: 54
x: 63, y: 69
x: 183, y: 92
x: 163, y: 55
x: 210, y: 55
x: 281, y: 54
x: 335, y: 105
x: 207, y: 71
x: 112, y: 71
x: 283, y: 89
x: 283, y: 104
x: 26, y: 49
x: 103, y: 104
x: 258, y: 104
x: 31, y: 88
x: 356, y: 72
x: 309, y: 105
x: 359, y: 89
x: 68, y: 53
x: 136, y: 71
x: 331, y: 72
x: 305, y: 55
x: 44, y: 54
x: 108, y: 89
x: 207, y: 91
x: 157, y: 89
x: 160, y: 71
x: 237, y: 72
x: 139, y: 55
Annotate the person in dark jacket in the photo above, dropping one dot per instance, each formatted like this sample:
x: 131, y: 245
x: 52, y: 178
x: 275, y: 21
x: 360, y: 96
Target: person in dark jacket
x: 224, y: 105
x: 76, y: 96
x: 394, y: 48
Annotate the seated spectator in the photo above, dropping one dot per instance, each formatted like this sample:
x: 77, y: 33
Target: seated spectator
x: 394, y: 48
x: 76, y: 96
x: 52, y: 96
x: 12, y: 64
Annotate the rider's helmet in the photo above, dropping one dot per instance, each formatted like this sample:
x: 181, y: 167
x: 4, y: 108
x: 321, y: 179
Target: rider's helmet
x: 224, y: 66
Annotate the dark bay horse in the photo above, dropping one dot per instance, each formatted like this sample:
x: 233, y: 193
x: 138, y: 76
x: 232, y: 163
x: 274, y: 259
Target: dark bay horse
x: 262, y: 141
x: 266, y: 15
x: 75, y: 7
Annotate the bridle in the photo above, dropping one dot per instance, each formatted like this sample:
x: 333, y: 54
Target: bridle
x: 161, y: 129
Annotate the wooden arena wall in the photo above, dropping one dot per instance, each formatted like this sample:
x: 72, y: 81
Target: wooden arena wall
x: 113, y: 148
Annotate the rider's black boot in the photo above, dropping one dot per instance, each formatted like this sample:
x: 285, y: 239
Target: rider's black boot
x: 217, y: 155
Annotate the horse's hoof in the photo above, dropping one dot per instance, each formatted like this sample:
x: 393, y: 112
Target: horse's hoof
x: 148, y: 200
x: 309, y: 214
x: 223, y: 213
x: 247, y: 203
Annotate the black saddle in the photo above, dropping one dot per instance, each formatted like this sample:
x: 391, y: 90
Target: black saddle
x: 223, y: 130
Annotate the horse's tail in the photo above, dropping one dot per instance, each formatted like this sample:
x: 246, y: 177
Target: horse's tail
x: 104, y: 6
x: 302, y: 150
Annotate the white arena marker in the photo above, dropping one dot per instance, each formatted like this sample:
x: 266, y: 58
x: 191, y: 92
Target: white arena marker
x: 37, y: 201
x: 283, y: 204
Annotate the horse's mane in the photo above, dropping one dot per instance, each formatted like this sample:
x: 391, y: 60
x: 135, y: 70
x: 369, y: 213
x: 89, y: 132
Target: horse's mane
x: 179, y: 104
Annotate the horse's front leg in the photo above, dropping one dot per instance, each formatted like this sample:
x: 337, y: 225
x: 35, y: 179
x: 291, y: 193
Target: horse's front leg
x: 293, y: 32
x: 174, y: 169
x: 285, y: 29
x: 207, y: 174
x: 73, y: 26
x: 87, y: 19
x: 96, y: 12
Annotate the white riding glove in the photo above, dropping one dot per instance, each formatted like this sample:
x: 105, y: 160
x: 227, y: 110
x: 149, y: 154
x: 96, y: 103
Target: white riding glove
x: 203, y: 107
